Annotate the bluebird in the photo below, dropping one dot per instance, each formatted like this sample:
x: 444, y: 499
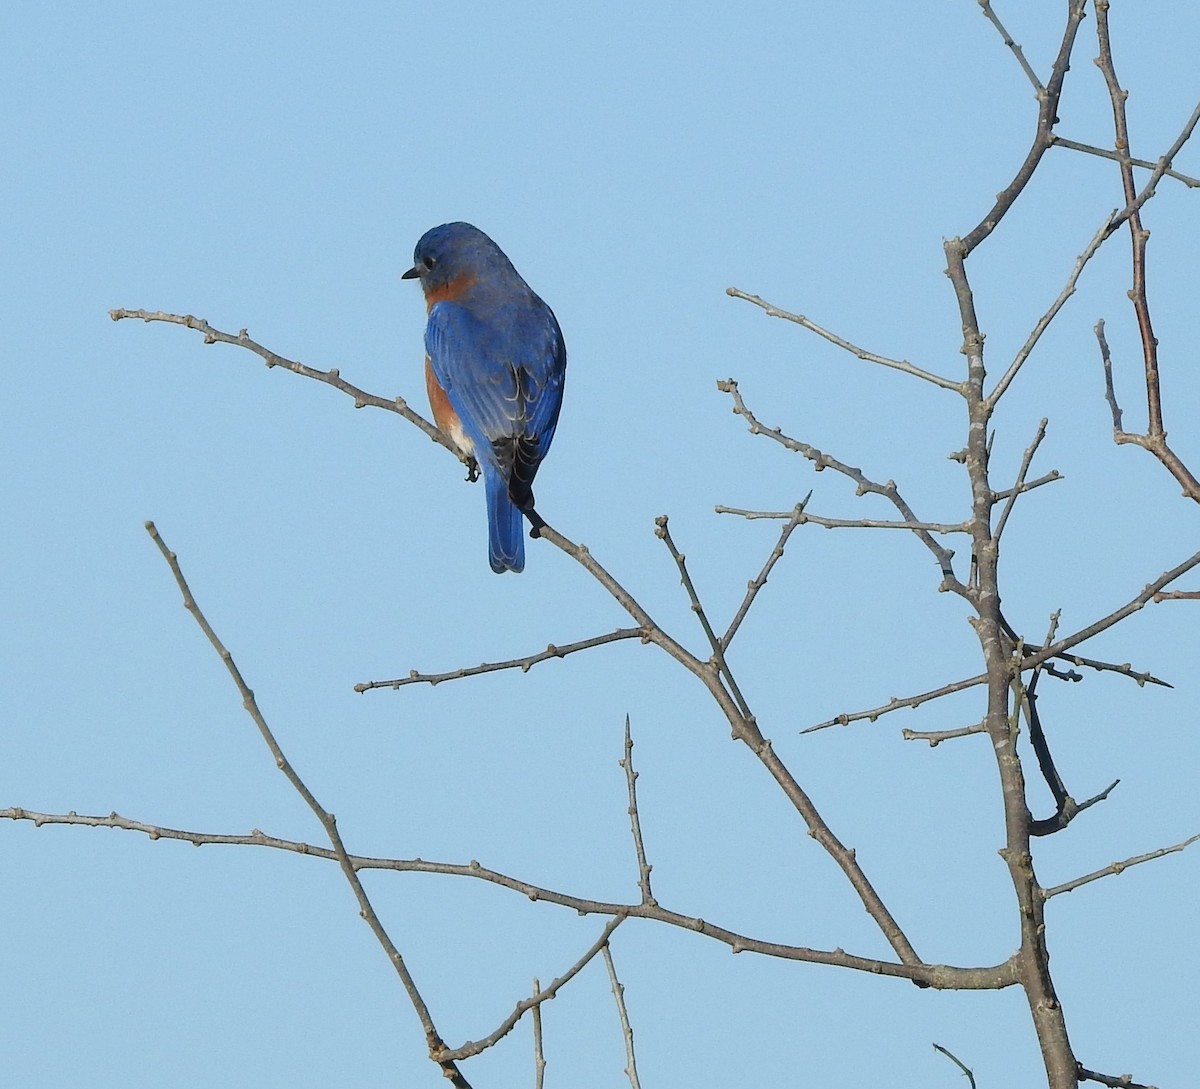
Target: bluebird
x: 495, y: 362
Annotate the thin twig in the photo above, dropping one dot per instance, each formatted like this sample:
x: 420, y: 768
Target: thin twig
x: 1049, y: 478
x: 618, y: 990
x: 936, y: 737
x: 1116, y: 868
x: 635, y: 823
x: 986, y: 7
x: 895, y: 704
x: 1048, y: 99
x: 938, y: 1047
x: 1017, y: 487
x: 1160, y: 170
x: 1137, y: 234
x: 864, y: 485
x: 333, y: 378
x: 1110, y: 393
x: 1035, y: 656
x: 1069, y: 811
x: 1120, y: 1081
x: 756, y: 584
x: 475, y: 1047
x: 1155, y: 438
x: 1027, y: 699
x: 539, y: 1057
x: 853, y: 349
x: 663, y: 532
x: 1107, y: 153
x: 805, y: 518
x: 1139, y: 601
x: 1044, y: 321
x: 327, y: 819
x: 524, y: 664
x: 1176, y: 595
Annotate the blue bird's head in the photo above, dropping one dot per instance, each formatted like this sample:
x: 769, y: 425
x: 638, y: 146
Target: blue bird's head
x: 449, y: 257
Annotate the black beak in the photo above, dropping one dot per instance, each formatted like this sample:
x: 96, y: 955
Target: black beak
x: 412, y: 273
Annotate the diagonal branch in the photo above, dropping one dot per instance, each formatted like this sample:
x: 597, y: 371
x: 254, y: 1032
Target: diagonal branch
x: 1043, y: 136
x: 803, y: 518
x: 967, y: 1073
x: 523, y: 664
x: 618, y: 990
x: 992, y: 18
x: 946, y: 977
x: 1017, y: 488
x: 1139, y: 601
x: 936, y: 737
x: 756, y: 584
x: 540, y: 995
x: 333, y: 378
x: 853, y: 349
x: 895, y: 704
x: 1116, y: 868
x: 718, y: 646
x: 745, y: 729
x: 865, y: 486
x: 327, y: 819
x: 1116, y: 1081
x: 1155, y: 438
x: 1106, y: 153
x: 1044, y: 321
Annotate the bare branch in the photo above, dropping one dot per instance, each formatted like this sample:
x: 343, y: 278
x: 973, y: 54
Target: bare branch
x: 804, y: 518
x: 1155, y: 439
x: 333, y: 378
x: 523, y: 664
x: 745, y: 729
x: 990, y: 15
x: 1055, y: 650
x: 1122, y: 1081
x: 1110, y: 394
x: 1044, y: 321
x: 475, y: 1047
x: 833, y: 338
x: 1017, y: 488
x: 618, y: 990
x: 635, y: 823
x: 327, y: 819
x: 1161, y: 168
x: 822, y: 461
x: 895, y: 704
x: 1035, y: 656
x: 539, y: 1058
x: 944, y: 977
x: 1048, y: 100
x: 1050, y: 478
x: 936, y: 737
x: 756, y: 584
x: 718, y: 648
x: 1119, y: 867
x: 1106, y: 153
x: 938, y: 1047
x: 1176, y: 595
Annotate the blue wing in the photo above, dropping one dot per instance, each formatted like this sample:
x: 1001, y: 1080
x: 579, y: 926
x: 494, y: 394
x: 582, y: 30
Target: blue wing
x: 505, y: 380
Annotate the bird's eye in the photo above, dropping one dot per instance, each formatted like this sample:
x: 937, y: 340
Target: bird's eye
x: 428, y: 264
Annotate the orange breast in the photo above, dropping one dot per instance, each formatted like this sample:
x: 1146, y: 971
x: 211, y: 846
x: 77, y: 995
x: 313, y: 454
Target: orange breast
x: 443, y: 412
x: 451, y: 289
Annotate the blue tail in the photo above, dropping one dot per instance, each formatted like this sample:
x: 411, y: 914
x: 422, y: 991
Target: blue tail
x: 506, y: 541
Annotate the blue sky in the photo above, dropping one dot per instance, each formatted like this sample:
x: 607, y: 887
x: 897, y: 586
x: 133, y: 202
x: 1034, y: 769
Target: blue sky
x: 273, y: 173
